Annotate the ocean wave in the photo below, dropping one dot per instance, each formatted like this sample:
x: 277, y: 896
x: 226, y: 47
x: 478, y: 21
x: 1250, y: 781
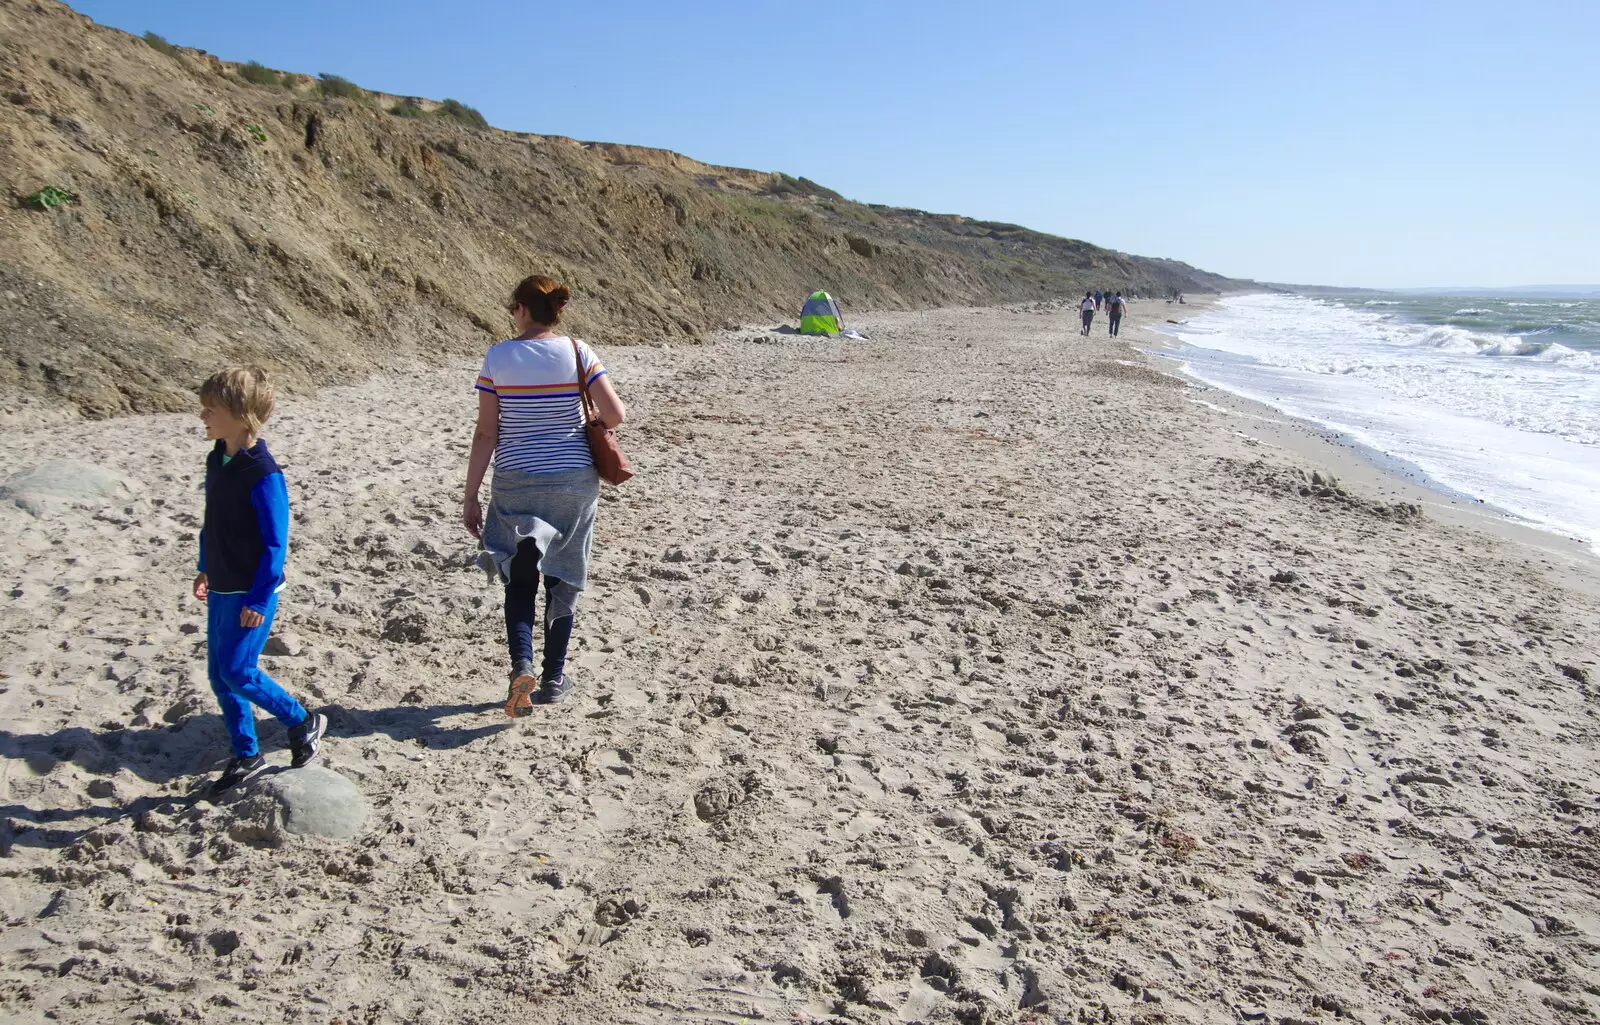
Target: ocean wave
x: 1381, y: 302
x: 1471, y: 311
x: 1509, y: 417
x: 1454, y: 339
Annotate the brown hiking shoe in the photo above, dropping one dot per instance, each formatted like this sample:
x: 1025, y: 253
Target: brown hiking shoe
x: 519, y: 699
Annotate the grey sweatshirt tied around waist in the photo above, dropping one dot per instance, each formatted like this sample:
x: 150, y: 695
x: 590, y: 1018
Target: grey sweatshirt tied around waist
x: 556, y: 510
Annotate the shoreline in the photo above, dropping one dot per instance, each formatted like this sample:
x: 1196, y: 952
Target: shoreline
x: 1392, y: 478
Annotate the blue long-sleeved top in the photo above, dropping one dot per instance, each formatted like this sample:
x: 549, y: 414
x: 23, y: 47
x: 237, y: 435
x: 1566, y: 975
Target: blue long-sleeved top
x: 246, y: 533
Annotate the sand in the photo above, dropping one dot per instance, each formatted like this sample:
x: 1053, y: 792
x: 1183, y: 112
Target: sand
x: 973, y: 673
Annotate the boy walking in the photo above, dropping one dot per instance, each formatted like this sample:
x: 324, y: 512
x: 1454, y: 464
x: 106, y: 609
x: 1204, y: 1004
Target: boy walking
x: 242, y: 548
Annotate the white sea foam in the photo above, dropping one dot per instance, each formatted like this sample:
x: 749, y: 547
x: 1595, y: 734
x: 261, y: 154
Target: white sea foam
x: 1510, y: 419
x: 1455, y: 339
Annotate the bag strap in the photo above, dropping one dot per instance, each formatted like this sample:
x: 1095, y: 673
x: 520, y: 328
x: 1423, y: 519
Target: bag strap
x: 590, y: 414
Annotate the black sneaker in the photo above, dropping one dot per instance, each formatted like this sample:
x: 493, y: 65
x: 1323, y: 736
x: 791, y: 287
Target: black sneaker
x: 237, y: 771
x: 303, y: 739
x: 551, y: 692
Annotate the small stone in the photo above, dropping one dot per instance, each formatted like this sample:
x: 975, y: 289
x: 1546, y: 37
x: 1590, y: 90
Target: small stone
x: 181, y: 709
x: 412, y: 627
x: 284, y: 644
x: 223, y: 942
x: 717, y: 798
x: 1305, y: 743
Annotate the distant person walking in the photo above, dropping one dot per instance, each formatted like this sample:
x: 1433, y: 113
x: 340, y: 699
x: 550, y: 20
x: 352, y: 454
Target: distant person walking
x: 1115, y: 307
x: 1086, y: 310
x: 1098, y: 297
x: 542, y: 501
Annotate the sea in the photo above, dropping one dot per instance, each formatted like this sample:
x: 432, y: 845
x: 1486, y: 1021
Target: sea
x: 1494, y: 398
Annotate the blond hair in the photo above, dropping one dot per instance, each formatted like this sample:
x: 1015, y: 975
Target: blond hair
x: 244, y: 391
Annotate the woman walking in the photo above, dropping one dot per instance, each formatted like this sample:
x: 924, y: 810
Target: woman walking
x: 542, y: 501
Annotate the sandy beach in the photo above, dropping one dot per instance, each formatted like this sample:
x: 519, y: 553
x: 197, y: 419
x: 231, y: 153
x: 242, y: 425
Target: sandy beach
x: 975, y: 673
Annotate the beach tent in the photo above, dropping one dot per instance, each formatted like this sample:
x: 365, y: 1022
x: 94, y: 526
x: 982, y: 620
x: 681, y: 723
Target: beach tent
x: 820, y: 315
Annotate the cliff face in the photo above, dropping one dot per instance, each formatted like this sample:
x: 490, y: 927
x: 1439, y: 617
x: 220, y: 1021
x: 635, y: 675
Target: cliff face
x: 213, y: 220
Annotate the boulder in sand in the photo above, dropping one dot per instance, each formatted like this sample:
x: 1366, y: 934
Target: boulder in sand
x: 313, y: 801
x: 62, y: 482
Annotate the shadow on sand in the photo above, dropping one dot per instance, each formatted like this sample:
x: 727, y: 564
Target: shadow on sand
x: 190, y: 748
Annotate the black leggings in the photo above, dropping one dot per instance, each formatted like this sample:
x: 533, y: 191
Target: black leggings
x: 1115, y: 322
x: 522, y: 594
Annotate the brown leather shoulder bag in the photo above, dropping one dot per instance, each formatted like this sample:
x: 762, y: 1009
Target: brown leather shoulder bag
x: 609, y: 461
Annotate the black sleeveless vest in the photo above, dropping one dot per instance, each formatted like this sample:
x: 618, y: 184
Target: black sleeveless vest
x: 233, y: 547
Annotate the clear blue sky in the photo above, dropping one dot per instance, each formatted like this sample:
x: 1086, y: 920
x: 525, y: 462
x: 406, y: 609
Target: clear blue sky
x: 1382, y: 144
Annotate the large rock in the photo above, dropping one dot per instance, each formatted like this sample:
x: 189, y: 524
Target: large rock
x: 64, y: 482
x: 319, y: 802
x: 313, y: 801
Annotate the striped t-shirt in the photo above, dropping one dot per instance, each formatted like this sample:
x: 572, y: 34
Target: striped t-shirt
x: 541, y: 413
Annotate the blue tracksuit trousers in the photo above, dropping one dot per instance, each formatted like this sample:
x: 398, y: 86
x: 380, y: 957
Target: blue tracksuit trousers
x: 231, y: 653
